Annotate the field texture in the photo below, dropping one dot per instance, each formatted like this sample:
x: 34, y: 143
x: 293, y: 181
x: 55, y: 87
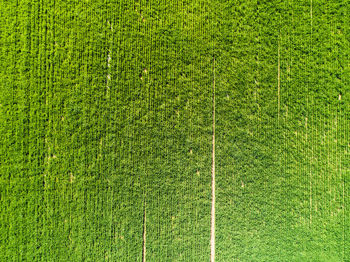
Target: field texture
x: 107, y: 129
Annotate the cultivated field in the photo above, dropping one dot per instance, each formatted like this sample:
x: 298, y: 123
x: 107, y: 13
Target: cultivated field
x: 107, y: 129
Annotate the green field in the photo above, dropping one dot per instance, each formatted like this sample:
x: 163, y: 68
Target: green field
x: 106, y: 130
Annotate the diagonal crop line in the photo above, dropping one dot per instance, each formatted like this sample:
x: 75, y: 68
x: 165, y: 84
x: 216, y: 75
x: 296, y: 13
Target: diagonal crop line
x: 212, y: 226
x: 144, y: 233
x: 278, y: 81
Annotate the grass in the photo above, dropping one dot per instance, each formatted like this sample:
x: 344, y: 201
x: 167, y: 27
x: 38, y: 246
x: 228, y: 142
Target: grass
x: 106, y: 111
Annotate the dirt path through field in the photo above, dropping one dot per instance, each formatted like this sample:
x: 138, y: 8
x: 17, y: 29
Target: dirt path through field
x: 212, y: 230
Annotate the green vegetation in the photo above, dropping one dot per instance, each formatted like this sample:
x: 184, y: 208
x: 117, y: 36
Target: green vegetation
x: 283, y: 132
x: 106, y: 112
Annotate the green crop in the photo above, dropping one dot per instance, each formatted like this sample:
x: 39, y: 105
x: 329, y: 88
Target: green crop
x: 106, y: 130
